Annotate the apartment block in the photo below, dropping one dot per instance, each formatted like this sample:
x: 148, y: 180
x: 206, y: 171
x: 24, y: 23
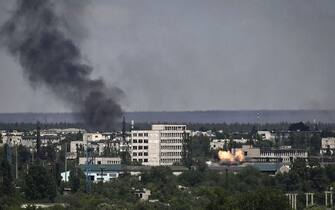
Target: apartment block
x: 162, y: 145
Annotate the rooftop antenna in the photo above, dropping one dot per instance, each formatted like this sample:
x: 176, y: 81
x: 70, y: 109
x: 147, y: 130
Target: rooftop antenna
x: 124, y: 129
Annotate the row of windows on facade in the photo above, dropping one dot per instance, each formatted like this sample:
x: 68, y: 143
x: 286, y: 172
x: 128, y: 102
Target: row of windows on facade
x: 171, y: 147
x: 140, y: 160
x: 171, y: 141
x: 140, y: 134
x: 105, y: 174
x: 109, y: 162
x: 174, y: 128
x: 299, y: 154
x: 140, y: 154
x: 172, y: 134
x: 140, y: 147
x: 135, y: 141
x: 170, y: 160
x: 170, y: 153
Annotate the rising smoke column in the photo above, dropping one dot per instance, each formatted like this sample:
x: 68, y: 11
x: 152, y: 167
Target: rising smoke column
x: 34, y: 36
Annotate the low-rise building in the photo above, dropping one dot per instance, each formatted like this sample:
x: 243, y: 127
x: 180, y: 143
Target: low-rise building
x: 327, y: 144
x: 266, y: 135
x: 93, y: 137
x: 143, y: 194
x: 216, y: 144
x: 101, y: 160
x: 287, y: 156
x: 104, y: 173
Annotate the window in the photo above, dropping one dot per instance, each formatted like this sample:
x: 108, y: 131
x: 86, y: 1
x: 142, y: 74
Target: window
x: 134, y: 134
x: 145, y: 160
x: 140, y: 154
x: 113, y: 175
x: 145, y: 140
x: 135, y: 141
x: 99, y: 162
x: 140, y: 141
x: 145, y: 147
x: 140, y: 134
x: 134, y: 147
x: 145, y: 154
x: 140, y: 147
x: 134, y: 154
x: 145, y: 134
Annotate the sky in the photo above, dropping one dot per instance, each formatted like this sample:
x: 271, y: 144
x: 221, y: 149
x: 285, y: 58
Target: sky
x: 185, y: 55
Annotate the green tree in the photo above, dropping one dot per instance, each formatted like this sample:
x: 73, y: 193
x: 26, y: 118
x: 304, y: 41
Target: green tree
x: 263, y: 199
x: 76, y: 177
x: 7, y: 185
x: 39, y: 184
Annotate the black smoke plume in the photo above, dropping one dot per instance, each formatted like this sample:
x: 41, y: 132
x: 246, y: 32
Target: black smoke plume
x: 35, y: 37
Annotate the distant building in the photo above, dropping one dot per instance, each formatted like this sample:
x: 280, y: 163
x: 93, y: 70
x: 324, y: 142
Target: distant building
x: 105, y: 173
x: 102, y: 160
x: 162, y: 145
x: 90, y: 137
x: 266, y: 135
x: 216, y: 144
x: 143, y: 194
x: 253, y: 154
x: 327, y: 144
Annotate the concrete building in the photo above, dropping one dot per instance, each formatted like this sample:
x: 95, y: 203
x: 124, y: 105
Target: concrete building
x: 98, y: 173
x: 143, y: 194
x: 102, y: 160
x: 90, y: 137
x: 287, y: 156
x: 327, y: 144
x: 267, y: 135
x: 216, y: 144
x: 162, y: 145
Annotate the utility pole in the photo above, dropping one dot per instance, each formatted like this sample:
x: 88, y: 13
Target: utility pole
x: 65, y: 161
x: 16, y: 163
x: 38, y: 142
x: 101, y: 175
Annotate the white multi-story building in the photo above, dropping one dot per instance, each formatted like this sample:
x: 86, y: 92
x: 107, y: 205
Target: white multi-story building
x: 162, y: 145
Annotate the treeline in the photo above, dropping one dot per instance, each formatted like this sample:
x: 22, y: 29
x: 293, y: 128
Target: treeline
x: 32, y: 126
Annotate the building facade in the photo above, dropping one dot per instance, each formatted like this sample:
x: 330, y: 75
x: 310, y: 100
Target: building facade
x: 286, y: 156
x: 162, y: 145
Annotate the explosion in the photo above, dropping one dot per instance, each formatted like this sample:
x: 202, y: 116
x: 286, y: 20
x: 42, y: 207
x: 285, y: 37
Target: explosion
x: 230, y: 158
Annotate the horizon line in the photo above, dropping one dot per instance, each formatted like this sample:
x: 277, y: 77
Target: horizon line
x: 162, y: 111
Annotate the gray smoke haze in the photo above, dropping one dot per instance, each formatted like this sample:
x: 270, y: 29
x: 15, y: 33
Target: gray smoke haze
x: 193, y: 54
x: 39, y: 40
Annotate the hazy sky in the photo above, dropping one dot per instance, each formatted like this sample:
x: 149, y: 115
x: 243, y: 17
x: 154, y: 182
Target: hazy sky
x: 196, y: 55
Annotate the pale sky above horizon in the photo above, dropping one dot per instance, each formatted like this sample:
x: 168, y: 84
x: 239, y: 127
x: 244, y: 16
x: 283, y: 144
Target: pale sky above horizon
x: 195, y: 55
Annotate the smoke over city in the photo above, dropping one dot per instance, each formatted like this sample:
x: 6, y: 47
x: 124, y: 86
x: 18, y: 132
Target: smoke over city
x: 49, y: 57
